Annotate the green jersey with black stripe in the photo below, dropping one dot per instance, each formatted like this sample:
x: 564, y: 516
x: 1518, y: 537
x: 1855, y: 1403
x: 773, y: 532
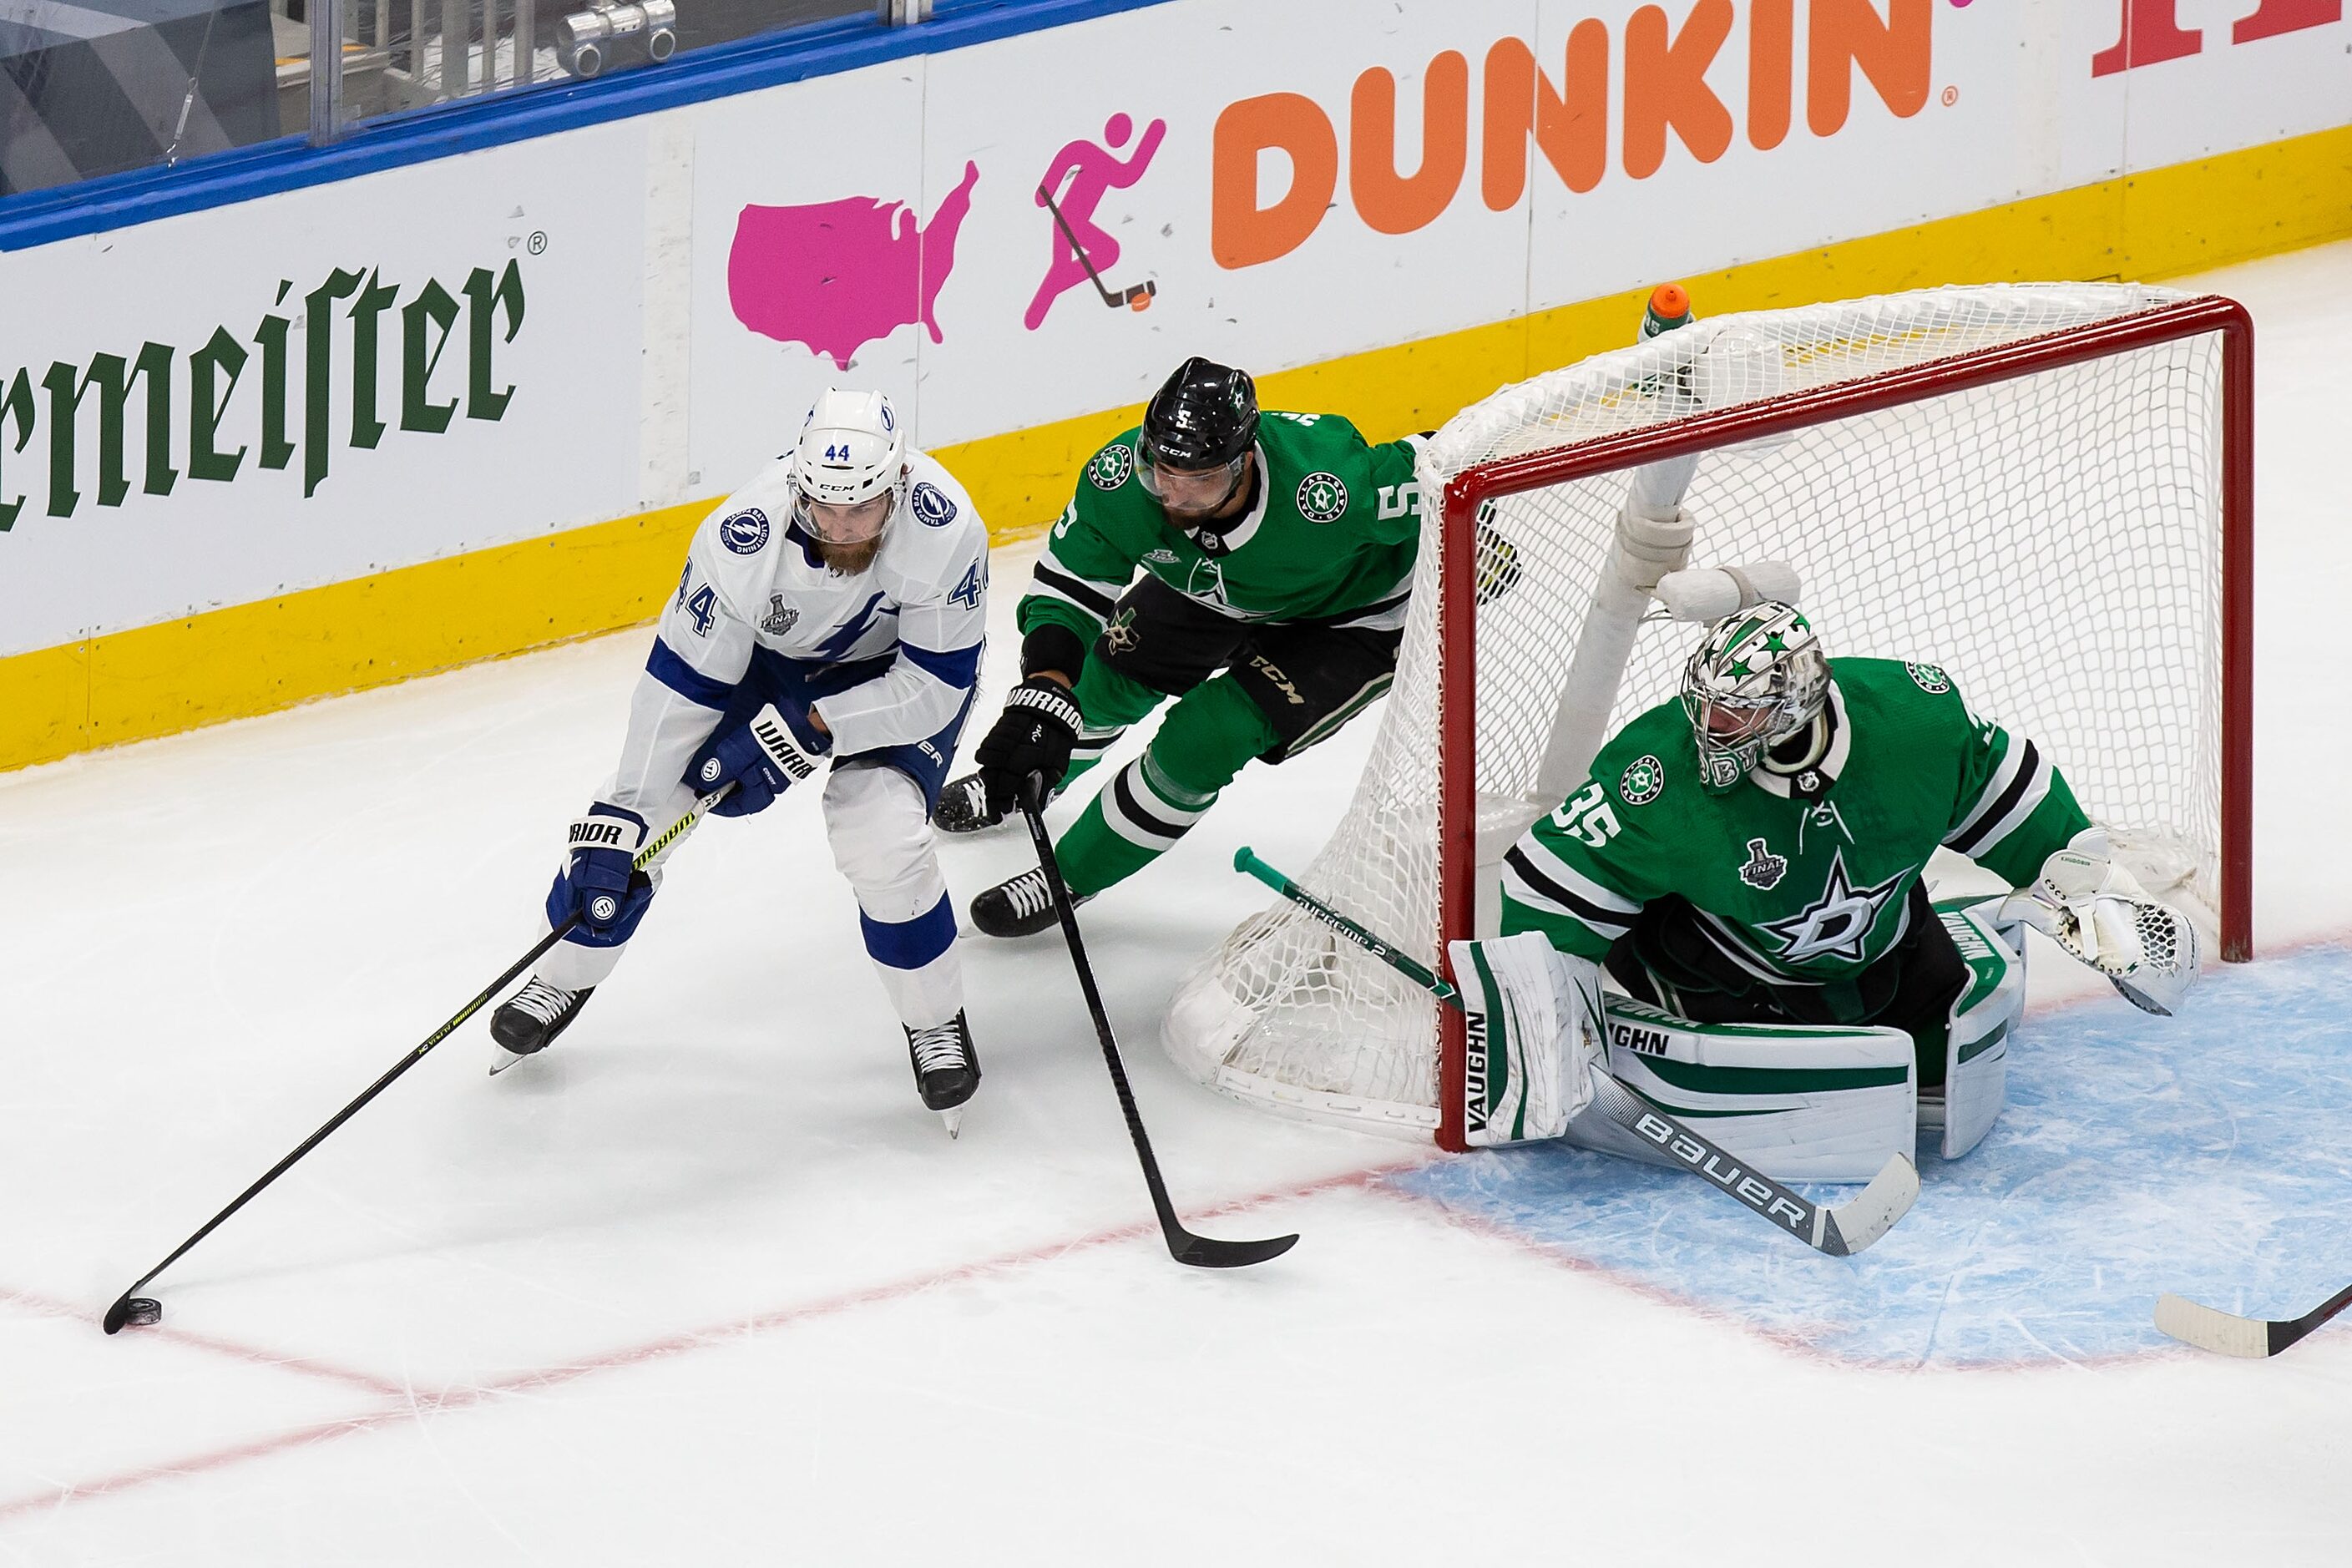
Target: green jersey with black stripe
x: 1331, y: 535
x: 1803, y: 878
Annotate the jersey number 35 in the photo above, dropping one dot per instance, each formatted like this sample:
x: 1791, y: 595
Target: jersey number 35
x: 1587, y: 815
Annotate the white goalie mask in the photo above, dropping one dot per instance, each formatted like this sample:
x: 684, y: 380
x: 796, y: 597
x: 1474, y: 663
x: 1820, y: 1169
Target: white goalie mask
x: 849, y: 470
x: 1757, y: 678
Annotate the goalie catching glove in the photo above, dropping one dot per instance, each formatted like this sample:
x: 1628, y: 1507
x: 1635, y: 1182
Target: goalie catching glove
x: 2098, y: 912
x: 1536, y: 1037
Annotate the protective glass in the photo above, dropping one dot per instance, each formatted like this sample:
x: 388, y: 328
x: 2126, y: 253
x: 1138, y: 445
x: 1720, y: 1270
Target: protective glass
x: 854, y: 523
x: 1190, y: 490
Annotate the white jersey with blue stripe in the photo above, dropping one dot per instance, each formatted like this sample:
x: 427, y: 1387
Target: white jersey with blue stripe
x: 752, y: 580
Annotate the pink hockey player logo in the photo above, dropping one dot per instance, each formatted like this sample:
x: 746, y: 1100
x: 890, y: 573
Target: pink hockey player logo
x: 835, y: 276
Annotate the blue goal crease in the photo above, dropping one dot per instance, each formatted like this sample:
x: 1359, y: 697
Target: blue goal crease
x: 2205, y: 1153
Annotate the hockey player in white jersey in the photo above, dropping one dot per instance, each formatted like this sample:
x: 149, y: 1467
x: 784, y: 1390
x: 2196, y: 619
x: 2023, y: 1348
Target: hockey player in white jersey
x: 834, y: 609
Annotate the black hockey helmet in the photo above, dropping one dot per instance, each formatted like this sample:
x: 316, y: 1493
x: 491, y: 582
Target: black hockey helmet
x: 1204, y: 416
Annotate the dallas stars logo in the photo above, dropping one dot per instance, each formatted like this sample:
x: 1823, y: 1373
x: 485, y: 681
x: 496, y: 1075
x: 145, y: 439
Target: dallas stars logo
x: 1112, y: 466
x: 1119, y: 636
x: 1836, y: 924
x: 1643, y: 777
x: 1322, y: 497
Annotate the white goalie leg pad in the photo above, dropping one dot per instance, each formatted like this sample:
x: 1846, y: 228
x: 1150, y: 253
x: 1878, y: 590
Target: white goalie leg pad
x: 1533, y: 1020
x: 1976, y: 1044
x: 1795, y: 1102
x: 882, y: 844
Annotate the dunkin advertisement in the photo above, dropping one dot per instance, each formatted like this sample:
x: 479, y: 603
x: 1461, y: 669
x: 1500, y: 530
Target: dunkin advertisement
x: 1280, y: 185
x: 317, y: 386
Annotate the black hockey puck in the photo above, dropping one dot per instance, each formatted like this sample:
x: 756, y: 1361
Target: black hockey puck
x: 135, y: 1311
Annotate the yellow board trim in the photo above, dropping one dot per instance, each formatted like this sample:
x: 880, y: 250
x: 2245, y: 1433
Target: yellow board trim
x: 256, y: 658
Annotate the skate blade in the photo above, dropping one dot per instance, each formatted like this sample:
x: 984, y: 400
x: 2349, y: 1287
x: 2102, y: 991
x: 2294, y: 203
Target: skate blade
x: 953, y: 1118
x: 507, y: 1058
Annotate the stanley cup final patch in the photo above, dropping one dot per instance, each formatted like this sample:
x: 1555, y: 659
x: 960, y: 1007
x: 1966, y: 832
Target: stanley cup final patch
x: 1763, y: 869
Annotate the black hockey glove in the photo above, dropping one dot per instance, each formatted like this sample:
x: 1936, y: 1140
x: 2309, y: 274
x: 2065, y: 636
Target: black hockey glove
x: 1034, y: 734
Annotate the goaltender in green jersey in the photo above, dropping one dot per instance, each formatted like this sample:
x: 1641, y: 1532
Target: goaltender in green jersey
x: 1747, y: 864
x: 1255, y: 570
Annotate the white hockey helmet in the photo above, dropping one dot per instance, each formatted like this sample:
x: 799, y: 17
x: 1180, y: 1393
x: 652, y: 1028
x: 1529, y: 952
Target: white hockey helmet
x: 849, y: 472
x: 1757, y: 678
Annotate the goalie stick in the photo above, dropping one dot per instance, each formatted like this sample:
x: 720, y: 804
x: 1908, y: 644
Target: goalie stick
x: 2225, y: 1333
x: 1840, y: 1232
x: 1200, y: 1251
x: 145, y: 1311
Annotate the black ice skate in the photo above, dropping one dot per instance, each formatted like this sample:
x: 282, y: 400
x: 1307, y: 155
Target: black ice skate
x: 963, y: 808
x: 1020, y: 906
x: 527, y: 1022
x: 947, y: 1068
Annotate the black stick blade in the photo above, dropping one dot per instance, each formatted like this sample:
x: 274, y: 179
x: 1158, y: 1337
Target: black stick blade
x: 132, y: 1312
x: 1207, y: 1252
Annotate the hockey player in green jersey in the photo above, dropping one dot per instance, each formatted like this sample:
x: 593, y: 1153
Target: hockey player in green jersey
x: 1276, y: 555
x: 1748, y: 864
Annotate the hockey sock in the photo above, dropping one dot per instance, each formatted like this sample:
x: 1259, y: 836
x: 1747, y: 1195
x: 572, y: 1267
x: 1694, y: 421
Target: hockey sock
x: 1108, y: 702
x: 1208, y: 736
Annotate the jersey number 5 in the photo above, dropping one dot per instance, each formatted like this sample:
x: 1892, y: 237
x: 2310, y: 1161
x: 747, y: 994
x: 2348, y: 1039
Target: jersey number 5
x: 1587, y: 816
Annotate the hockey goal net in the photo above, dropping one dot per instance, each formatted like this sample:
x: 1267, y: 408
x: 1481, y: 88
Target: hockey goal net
x: 2044, y: 489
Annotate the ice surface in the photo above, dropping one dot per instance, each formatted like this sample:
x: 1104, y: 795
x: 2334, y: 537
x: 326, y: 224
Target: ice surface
x: 2201, y: 1153
x: 708, y: 1284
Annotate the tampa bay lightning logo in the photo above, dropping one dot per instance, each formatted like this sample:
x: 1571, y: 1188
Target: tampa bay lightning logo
x: 746, y: 532
x: 932, y: 506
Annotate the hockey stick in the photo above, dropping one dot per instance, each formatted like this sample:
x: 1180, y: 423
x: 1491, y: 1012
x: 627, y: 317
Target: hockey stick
x: 1840, y: 1232
x: 1137, y: 298
x: 1200, y: 1251
x: 145, y: 1310
x: 2224, y: 1333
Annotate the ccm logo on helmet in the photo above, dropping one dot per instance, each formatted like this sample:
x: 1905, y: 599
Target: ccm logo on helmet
x: 746, y: 532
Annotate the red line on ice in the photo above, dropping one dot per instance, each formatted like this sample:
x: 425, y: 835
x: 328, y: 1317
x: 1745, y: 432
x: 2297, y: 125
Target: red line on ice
x: 52, y: 1307
x: 411, y: 1404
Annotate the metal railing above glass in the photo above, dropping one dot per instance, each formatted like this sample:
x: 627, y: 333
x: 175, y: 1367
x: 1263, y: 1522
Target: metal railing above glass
x: 90, y: 87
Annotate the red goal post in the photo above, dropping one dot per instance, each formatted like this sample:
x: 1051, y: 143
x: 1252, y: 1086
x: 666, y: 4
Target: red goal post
x: 2044, y: 489
x: 1466, y: 493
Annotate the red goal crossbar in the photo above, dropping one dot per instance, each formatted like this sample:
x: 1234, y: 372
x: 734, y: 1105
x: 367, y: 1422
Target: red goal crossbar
x: 1458, y: 683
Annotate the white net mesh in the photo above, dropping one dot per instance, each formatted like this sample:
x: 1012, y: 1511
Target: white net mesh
x: 2054, y: 542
